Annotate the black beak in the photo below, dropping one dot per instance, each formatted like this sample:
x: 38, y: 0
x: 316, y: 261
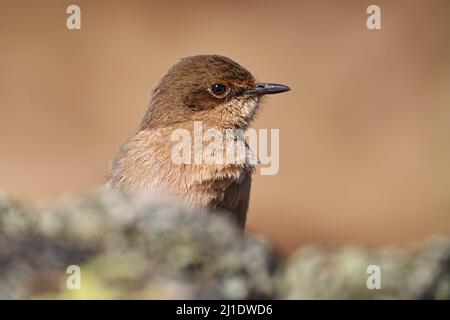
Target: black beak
x: 267, y: 88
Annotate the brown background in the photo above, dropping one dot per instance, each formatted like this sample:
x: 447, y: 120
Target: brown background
x: 365, y: 148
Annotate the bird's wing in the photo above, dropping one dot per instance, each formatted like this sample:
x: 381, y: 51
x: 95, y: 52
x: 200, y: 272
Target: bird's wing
x: 236, y: 198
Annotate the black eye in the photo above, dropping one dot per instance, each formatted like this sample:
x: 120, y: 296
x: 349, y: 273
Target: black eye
x: 218, y: 89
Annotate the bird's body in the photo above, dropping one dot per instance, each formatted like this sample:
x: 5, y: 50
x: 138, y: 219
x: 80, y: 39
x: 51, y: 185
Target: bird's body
x: 211, y: 90
x: 143, y: 165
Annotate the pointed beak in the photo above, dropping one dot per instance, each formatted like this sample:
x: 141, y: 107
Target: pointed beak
x: 267, y: 88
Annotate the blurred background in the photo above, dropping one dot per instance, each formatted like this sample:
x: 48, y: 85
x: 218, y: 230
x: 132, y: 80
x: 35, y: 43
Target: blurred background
x: 365, y: 131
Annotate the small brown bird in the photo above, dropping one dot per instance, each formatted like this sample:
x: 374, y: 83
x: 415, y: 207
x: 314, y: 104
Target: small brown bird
x: 222, y: 95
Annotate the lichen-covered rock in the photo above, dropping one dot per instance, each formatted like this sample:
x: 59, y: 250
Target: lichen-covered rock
x: 319, y: 272
x: 156, y: 249
x: 128, y: 249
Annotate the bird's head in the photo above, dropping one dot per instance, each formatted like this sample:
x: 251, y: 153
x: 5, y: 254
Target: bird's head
x: 208, y: 88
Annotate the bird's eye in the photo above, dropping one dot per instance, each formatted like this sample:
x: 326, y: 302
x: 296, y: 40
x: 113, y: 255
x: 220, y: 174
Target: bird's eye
x: 219, y: 90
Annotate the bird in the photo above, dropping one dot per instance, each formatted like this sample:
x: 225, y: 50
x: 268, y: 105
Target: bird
x: 218, y: 93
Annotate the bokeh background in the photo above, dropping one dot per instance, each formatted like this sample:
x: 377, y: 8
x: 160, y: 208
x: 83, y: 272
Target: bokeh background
x: 365, y: 131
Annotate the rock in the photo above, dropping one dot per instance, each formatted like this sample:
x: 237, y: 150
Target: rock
x: 129, y: 250
x: 156, y: 249
x: 319, y: 272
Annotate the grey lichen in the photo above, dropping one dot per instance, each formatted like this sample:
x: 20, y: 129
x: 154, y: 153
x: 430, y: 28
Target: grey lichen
x: 129, y: 249
x: 156, y: 249
x: 319, y: 272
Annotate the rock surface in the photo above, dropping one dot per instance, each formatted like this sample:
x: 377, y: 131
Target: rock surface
x: 159, y: 250
x: 319, y: 272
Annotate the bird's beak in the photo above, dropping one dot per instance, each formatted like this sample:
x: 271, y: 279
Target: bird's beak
x: 267, y: 88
